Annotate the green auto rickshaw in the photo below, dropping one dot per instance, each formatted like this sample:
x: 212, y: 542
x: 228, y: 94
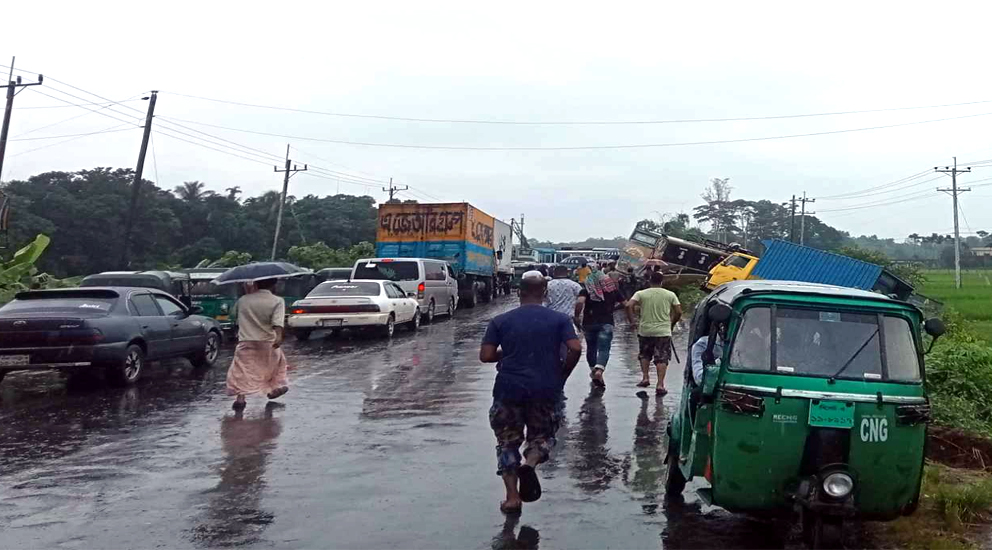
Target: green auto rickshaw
x: 216, y: 301
x: 811, y: 400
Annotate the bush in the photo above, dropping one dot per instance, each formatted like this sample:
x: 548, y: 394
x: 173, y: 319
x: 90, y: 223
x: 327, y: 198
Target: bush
x: 959, y: 377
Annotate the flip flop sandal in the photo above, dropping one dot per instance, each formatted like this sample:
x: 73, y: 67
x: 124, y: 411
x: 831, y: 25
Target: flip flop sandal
x: 643, y: 384
x: 661, y: 392
x: 530, y: 486
x: 510, y: 510
x: 277, y: 393
x: 598, y: 382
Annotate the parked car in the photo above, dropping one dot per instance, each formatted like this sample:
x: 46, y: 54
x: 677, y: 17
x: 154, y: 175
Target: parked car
x: 336, y: 305
x: 432, y: 282
x: 117, y: 329
x: 179, y: 285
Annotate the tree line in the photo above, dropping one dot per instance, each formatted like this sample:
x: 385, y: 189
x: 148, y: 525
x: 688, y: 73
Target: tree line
x: 84, y: 213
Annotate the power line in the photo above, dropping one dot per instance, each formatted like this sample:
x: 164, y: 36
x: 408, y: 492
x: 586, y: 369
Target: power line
x: 104, y: 131
x: 582, y: 147
x: 912, y: 196
x: 75, y: 105
x: 64, y: 120
x: 568, y: 123
x: 875, y: 188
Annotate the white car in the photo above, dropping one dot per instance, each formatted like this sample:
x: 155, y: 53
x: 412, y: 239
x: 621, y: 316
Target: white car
x: 336, y: 305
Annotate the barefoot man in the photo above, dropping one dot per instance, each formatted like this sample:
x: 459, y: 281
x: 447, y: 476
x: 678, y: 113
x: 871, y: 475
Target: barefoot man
x: 259, y: 364
x: 659, y: 311
x: 525, y: 343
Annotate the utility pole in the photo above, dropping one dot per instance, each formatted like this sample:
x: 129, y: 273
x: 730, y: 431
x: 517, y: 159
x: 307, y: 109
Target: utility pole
x: 136, y: 184
x: 792, y: 221
x: 392, y: 190
x: 11, y: 86
x: 282, y: 203
x: 802, y: 219
x: 954, y: 192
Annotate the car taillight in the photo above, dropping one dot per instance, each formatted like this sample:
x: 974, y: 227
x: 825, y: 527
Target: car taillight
x: 298, y: 310
x: 421, y: 288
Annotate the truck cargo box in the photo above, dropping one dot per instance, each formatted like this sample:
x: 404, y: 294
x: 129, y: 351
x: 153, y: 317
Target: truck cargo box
x: 456, y: 232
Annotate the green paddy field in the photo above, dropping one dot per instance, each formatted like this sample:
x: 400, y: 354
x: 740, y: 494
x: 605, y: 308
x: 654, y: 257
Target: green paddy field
x: 973, y: 300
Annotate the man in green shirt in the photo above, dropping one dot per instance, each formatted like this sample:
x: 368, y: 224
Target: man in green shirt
x: 659, y: 310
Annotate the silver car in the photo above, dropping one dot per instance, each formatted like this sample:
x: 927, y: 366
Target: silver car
x: 336, y: 305
x: 431, y: 281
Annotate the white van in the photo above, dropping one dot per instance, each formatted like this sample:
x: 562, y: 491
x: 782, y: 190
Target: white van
x: 431, y: 282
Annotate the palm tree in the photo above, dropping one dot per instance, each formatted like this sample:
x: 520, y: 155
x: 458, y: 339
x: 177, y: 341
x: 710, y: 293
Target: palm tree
x: 193, y: 191
x: 233, y: 192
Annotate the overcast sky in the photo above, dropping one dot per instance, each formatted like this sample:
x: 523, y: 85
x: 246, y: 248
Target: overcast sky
x: 528, y: 62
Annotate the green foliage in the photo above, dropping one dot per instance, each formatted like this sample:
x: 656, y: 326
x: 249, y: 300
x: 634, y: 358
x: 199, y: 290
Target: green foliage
x: 959, y: 379
x: 78, y: 209
x: 318, y: 256
x: 962, y: 503
x: 912, y: 273
x: 231, y: 258
x: 20, y: 272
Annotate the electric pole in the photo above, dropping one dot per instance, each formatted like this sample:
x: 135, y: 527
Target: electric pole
x: 802, y: 219
x: 792, y: 221
x: 954, y: 192
x: 11, y: 86
x: 136, y: 185
x: 392, y: 190
x: 282, y: 203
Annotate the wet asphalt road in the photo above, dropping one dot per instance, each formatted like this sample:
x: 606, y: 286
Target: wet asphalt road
x: 379, y: 444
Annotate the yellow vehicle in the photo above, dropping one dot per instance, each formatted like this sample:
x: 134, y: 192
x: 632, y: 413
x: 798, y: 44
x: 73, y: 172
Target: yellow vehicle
x: 736, y: 267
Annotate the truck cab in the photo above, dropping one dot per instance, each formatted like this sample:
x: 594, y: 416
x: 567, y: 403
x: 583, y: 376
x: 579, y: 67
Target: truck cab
x: 736, y: 267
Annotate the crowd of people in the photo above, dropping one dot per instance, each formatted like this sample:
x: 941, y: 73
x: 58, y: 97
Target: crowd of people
x: 537, y: 346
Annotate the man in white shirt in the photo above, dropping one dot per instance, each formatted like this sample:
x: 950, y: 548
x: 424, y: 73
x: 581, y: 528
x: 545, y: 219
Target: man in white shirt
x: 697, y: 356
x: 562, y: 292
x: 259, y: 365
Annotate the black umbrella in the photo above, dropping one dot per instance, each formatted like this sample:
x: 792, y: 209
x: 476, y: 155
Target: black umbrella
x: 258, y: 271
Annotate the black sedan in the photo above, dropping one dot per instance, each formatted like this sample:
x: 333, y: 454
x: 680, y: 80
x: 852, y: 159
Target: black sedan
x: 117, y: 329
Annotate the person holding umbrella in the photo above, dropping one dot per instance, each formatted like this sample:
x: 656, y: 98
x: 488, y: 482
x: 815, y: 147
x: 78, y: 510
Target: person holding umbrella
x: 259, y: 364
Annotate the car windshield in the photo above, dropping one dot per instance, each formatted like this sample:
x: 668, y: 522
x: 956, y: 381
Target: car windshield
x: 825, y: 343
x: 206, y: 288
x: 388, y: 271
x: 345, y: 289
x: 81, y: 305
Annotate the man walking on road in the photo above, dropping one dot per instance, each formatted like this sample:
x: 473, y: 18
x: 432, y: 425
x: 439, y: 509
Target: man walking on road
x: 659, y: 312
x: 562, y: 292
x: 525, y: 343
x: 594, y: 310
x: 259, y: 364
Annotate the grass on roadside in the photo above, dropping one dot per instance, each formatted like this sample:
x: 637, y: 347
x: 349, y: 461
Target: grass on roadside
x: 953, y: 501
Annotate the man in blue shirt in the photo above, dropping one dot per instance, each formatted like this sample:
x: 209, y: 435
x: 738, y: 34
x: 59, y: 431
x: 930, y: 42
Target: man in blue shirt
x: 525, y: 343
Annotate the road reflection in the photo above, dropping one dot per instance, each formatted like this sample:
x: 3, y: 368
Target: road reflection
x: 649, y: 455
x: 234, y: 515
x: 507, y: 539
x: 591, y: 464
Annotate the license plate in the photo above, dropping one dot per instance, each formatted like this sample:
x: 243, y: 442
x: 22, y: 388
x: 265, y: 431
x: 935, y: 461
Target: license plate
x: 831, y: 414
x: 222, y: 317
x: 330, y: 322
x: 14, y: 360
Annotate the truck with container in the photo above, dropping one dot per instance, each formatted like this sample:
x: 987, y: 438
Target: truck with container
x: 786, y: 261
x: 475, y: 245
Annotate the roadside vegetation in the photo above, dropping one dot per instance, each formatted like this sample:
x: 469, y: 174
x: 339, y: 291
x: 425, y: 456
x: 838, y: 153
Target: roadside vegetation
x: 973, y: 301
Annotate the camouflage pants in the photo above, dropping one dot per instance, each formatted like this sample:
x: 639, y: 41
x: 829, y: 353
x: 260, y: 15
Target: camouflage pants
x: 513, y: 422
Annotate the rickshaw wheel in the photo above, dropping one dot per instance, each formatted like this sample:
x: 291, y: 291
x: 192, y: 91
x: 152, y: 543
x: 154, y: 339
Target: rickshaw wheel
x: 674, y: 480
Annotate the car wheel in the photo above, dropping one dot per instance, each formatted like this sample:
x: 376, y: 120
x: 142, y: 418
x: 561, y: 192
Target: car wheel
x: 414, y: 324
x: 207, y: 356
x: 451, y: 306
x: 302, y: 334
x: 389, y: 328
x: 431, y: 310
x: 129, y: 370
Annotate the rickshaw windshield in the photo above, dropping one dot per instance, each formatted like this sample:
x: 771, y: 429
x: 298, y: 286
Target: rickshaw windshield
x: 826, y: 344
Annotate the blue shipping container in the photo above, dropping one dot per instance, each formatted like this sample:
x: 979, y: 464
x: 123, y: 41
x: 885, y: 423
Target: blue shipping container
x: 787, y: 261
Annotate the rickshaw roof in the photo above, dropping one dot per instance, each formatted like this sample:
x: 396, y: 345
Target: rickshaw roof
x: 164, y: 276
x: 732, y: 291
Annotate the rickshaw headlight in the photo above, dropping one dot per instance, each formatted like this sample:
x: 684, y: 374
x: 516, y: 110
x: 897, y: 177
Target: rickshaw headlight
x: 223, y: 308
x: 838, y: 485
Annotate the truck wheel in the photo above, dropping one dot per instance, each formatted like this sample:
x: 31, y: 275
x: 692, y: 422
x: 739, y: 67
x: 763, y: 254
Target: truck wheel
x: 674, y: 480
x: 487, y: 292
x: 128, y: 370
